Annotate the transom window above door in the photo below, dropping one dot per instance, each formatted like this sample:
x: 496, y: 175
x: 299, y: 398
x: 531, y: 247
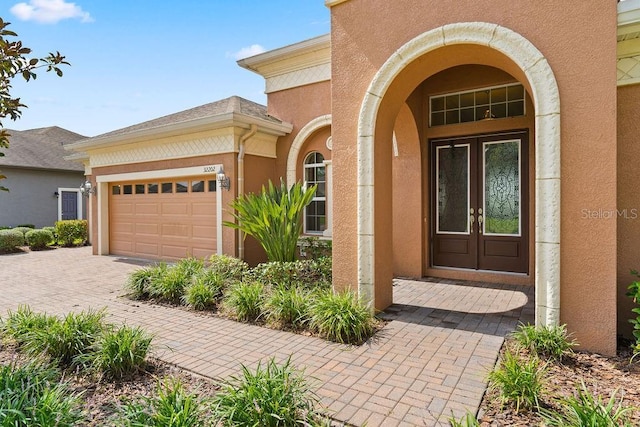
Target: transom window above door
x: 493, y: 102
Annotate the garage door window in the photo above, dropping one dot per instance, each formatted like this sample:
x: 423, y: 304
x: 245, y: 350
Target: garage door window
x: 147, y: 188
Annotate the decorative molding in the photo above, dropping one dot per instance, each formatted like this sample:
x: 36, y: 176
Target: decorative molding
x: 331, y: 3
x: 305, y: 76
x: 628, y: 70
x: 546, y: 100
x: 261, y: 145
x: 299, y: 64
x: 171, y: 150
x: 302, y: 136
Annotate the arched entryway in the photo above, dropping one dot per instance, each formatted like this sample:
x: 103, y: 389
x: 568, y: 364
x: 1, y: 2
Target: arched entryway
x: 431, y: 52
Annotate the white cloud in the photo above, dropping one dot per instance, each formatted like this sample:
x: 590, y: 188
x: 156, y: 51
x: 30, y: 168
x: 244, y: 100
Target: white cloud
x: 49, y: 11
x: 248, y: 51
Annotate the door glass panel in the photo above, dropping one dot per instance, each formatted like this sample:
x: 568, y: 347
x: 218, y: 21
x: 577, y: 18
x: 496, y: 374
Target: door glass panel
x: 452, y: 197
x: 502, y: 187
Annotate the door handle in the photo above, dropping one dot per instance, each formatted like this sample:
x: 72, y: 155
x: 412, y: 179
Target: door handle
x: 480, y: 221
x: 472, y: 220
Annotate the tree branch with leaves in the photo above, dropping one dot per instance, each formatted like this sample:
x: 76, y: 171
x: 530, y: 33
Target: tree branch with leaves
x: 16, y: 62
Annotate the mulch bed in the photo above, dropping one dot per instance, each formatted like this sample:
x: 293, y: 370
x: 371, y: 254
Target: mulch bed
x: 601, y: 374
x: 103, y: 397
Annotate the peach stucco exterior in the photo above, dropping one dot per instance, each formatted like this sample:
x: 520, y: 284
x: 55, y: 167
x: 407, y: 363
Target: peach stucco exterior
x: 360, y: 97
x: 580, y: 57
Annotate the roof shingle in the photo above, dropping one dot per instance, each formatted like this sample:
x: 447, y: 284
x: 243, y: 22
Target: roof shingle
x: 40, y: 148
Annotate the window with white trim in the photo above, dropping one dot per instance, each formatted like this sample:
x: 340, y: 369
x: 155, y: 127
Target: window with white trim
x: 315, y: 215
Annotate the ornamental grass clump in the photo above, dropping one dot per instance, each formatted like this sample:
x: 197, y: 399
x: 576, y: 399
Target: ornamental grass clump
x: 169, y: 285
x: 67, y: 341
x: 341, y: 317
x: 287, y: 307
x: 546, y: 341
x: 273, y: 395
x: 140, y: 281
x: 244, y: 301
x: 120, y: 352
x: 171, y: 406
x: 199, y: 295
x: 585, y: 409
x: 519, y: 382
x: 22, y: 323
x: 33, y: 395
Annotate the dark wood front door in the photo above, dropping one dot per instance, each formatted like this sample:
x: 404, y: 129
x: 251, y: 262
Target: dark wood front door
x: 479, y: 201
x: 69, y: 205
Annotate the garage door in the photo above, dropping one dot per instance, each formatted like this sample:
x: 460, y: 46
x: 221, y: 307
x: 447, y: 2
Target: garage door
x: 163, y: 219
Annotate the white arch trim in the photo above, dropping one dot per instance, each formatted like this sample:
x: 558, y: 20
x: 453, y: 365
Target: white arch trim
x: 547, y: 160
x: 298, y: 142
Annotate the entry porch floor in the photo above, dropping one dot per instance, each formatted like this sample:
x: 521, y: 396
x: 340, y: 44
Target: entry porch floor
x: 430, y: 361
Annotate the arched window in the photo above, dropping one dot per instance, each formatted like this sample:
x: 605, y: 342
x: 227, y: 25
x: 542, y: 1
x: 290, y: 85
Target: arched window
x: 315, y: 216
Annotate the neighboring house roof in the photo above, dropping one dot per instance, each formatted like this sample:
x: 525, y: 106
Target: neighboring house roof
x: 215, y: 114
x: 41, y: 148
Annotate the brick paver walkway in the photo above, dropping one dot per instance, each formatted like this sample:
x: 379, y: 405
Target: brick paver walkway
x: 429, y: 361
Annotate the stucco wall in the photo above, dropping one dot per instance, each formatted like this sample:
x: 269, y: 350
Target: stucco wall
x: 31, y: 199
x: 627, y: 215
x: 297, y: 106
x: 366, y: 33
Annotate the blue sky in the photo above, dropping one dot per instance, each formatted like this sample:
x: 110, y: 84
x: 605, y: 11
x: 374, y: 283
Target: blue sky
x: 135, y: 60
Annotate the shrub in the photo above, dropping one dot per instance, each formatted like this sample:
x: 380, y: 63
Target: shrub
x: 168, y: 284
x: 287, y: 306
x: 273, y: 218
x: 20, y: 324
x: 10, y: 239
x: 72, y: 232
x: 31, y: 226
x: 307, y: 273
x: 67, y: 341
x: 228, y: 268
x: 587, y: 410
x: 244, y: 300
x: 33, y: 395
x: 633, y: 293
x: 38, y: 239
x: 315, y: 248
x: 23, y: 230
x: 120, y: 352
x: 54, y: 233
x: 140, y: 282
x: 340, y: 317
x: 276, y: 395
x: 172, y: 406
x: 547, y: 341
x: 519, y: 382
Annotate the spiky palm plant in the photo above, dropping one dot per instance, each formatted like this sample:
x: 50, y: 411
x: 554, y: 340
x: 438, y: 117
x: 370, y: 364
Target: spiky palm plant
x: 273, y: 218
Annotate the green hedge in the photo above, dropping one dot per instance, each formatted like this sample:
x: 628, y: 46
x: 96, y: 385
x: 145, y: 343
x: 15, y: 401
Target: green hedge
x: 10, y: 239
x: 72, y: 232
x: 23, y: 230
x: 38, y: 239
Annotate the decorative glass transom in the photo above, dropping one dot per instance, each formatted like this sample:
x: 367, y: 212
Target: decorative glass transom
x: 487, y: 103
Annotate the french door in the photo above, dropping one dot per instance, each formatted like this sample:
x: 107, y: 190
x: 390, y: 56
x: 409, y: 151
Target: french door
x: 479, y: 196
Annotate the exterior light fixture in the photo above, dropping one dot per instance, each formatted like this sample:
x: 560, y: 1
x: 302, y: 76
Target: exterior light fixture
x: 223, y: 181
x: 56, y: 194
x: 86, y: 188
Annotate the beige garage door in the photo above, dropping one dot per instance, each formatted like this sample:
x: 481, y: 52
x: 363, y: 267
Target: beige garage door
x: 163, y: 219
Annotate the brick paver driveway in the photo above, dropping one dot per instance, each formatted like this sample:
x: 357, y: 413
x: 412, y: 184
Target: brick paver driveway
x: 429, y: 361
